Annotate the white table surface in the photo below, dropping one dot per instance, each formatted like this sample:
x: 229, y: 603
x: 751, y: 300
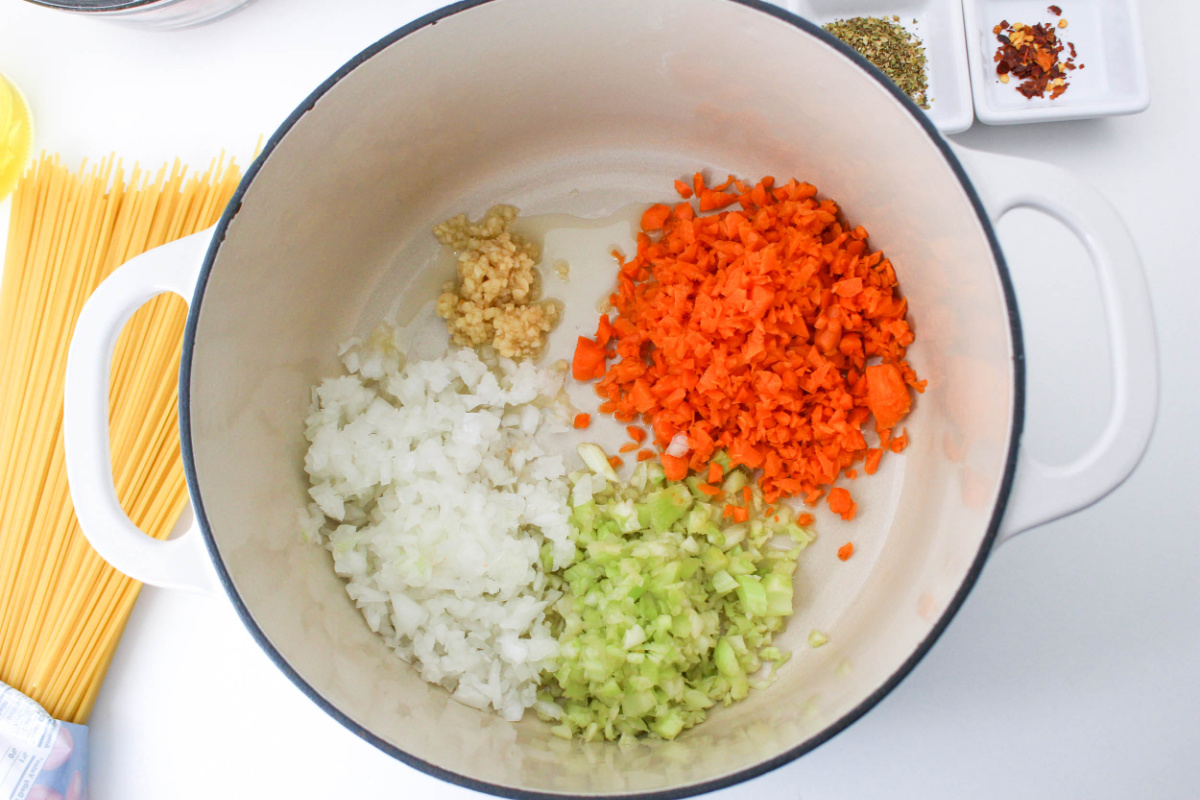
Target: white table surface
x: 1073, y: 670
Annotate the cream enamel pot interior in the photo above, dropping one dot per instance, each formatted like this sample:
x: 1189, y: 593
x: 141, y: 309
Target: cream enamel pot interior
x: 584, y: 108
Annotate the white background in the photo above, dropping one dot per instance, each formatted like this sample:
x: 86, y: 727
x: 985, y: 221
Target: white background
x: 1073, y: 670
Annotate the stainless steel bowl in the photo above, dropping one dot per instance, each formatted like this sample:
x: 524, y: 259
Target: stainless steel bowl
x: 154, y: 14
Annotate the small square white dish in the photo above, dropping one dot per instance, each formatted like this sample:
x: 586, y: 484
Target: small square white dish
x: 1107, y: 34
x: 939, y: 26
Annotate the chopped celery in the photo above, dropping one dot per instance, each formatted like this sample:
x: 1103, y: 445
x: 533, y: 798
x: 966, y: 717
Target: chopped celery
x: 725, y: 659
x: 753, y: 595
x: 669, y: 608
x: 778, y: 590
x: 596, y: 460
x: 734, y: 482
x: 724, y: 583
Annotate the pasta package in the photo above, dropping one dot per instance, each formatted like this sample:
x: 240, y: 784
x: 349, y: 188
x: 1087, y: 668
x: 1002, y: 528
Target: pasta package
x: 44, y: 759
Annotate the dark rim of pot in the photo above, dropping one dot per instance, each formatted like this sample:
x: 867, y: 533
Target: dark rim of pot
x: 763, y: 767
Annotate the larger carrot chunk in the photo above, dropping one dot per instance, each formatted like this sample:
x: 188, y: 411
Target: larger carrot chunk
x: 887, y: 394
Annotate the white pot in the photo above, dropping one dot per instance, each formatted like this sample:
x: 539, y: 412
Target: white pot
x: 583, y: 107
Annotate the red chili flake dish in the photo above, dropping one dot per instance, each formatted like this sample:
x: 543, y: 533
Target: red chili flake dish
x: 1031, y: 53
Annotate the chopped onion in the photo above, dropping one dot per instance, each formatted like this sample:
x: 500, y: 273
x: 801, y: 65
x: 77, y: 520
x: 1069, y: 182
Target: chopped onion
x: 679, y: 446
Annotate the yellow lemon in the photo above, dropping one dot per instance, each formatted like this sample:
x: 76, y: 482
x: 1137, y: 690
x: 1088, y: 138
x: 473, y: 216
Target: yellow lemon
x: 16, y: 136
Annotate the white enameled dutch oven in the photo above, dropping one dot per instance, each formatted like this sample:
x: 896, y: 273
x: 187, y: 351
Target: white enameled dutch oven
x: 582, y: 108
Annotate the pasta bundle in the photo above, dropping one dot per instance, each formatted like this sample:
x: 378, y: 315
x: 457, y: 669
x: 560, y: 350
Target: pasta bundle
x: 62, y: 608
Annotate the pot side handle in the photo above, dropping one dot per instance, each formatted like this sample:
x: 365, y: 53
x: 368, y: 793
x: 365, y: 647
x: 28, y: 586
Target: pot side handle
x: 174, y: 563
x: 1042, y: 492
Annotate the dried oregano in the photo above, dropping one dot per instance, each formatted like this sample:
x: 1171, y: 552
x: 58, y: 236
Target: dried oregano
x: 886, y: 44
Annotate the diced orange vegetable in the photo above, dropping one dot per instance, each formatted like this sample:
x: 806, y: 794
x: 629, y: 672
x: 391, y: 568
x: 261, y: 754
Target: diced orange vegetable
x: 589, y: 360
x: 845, y: 551
x: 887, y: 394
x: 842, y: 504
x: 707, y: 489
x: 582, y: 421
x: 628, y: 447
x: 637, y: 434
x: 615, y: 461
x: 750, y: 330
x: 604, y: 331
x: 645, y: 455
x: 654, y: 217
x: 675, y: 467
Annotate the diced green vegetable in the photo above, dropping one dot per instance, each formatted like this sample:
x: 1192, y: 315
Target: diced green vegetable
x: 596, y: 460
x: 669, y: 609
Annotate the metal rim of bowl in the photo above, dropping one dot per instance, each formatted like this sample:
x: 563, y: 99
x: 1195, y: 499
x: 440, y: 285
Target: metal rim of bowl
x: 723, y: 782
x: 95, y: 6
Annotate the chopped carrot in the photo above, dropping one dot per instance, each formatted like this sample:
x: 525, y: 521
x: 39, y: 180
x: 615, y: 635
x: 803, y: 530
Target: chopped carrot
x: 628, y: 447
x: 805, y: 519
x: 582, y: 421
x: 676, y: 467
x: 740, y: 514
x: 615, y: 461
x: 707, y: 489
x: 750, y: 332
x: 637, y: 434
x: 848, y: 287
x: 654, y: 217
x: 887, y: 394
x: 872, y: 460
x: 604, y: 331
x: 852, y: 474
x: 684, y: 190
x: 711, y: 200
x: 747, y: 496
x: 589, y: 360
x: 845, y: 551
x: 841, y: 504
x: 715, y: 473
x: 900, y: 442
x: 645, y: 455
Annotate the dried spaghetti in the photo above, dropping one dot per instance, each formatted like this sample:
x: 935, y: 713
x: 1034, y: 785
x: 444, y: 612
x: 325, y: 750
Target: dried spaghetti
x: 62, y: 608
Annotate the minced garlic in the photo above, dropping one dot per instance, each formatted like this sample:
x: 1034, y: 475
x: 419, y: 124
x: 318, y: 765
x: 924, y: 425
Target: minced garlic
x: 494, y: 300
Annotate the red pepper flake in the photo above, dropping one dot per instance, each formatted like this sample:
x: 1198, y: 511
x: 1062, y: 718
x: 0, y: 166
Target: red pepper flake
x: 1031, y: 54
